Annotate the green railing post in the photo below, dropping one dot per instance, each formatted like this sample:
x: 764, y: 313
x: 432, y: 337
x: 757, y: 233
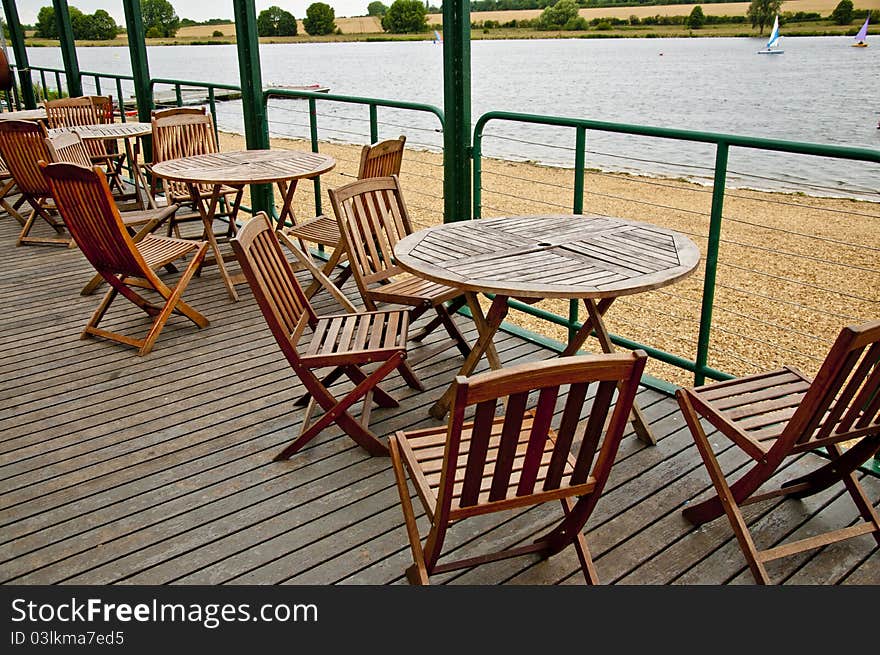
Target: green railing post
x: 457, y: 110
x: 16, y: 35
x: 478, y: 175
x: 719, y: 183
x: 256, y: 129
x: 580, y: 148
x: 374, y: 123
x: 140, y: 68
x: 68, y: 48
x: 313, y: 134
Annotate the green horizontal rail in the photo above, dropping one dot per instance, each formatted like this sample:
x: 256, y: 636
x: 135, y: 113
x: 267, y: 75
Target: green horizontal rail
x: 372, y: 105
x: 723, y: 142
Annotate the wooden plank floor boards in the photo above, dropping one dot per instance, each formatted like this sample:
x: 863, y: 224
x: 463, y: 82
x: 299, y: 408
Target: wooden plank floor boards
x: 121, y: 469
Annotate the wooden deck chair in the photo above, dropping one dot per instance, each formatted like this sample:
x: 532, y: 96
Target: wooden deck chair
x: 183, y: 132
x: 69, y: 147
x: 377, y: 160
x: 518, y: 460
x: 774, y: 416
x: 89, y: 110
x: 22, y: 145
x: 342, y: 343
x: 84, y: 200
x: 372, y: 218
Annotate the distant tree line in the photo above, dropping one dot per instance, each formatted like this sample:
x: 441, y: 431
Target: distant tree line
x: 99, y: 26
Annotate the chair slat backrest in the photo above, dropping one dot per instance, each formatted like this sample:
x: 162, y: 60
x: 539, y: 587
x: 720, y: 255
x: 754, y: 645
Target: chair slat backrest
x: 278, y: 292
x: 843, y: 401
x: 382, y: 159
x: 68, y: 147
x: 22, y: 145
x: 179, y: 134
x: 84, y: 200
x: 372, y: 219
x: 70, y: 112
x: 578, y: 455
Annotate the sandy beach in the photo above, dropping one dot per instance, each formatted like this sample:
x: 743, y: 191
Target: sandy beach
x: 792, y: 269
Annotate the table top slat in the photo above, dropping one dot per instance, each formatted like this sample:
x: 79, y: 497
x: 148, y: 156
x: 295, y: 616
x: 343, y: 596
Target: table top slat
x: 245, y: 167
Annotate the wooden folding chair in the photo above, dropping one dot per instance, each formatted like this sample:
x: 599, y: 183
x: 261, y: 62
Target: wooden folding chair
x: 69, y: 147
x: 84, y: 200
x: 377, y: 160
x: 518, y: 460
x: 344, y: 342
x: 183, y: 132
x: 372, y: 218
x: 89, y: 110
x: 782, y: 414
x: 22, y: 145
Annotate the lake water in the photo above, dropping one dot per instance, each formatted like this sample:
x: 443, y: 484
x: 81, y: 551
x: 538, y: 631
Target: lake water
x: 821, y: 91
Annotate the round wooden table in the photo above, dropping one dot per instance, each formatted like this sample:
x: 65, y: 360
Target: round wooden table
x: 24, y: 115
x: 237, y: 169
x: 594, y: 258
x: 129, y: 132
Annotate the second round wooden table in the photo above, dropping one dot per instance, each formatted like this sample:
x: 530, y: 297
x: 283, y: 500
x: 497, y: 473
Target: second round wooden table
x: 594, y: 258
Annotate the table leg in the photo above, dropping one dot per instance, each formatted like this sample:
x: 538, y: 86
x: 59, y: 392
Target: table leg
x: 487, y: 326
x: 595, y: 311
x: 207, y: 214
x: 286, y: 191
x: 132, y: 151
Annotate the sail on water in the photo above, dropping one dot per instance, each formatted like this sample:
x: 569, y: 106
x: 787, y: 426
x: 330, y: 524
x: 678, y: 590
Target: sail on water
x: 769, y: 49
x: 862, y: 35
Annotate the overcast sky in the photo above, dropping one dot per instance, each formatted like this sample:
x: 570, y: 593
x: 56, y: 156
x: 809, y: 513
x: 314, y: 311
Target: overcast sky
x: 194, y: 9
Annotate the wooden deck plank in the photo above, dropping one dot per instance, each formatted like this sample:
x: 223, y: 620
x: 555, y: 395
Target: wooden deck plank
x: 120, y: 469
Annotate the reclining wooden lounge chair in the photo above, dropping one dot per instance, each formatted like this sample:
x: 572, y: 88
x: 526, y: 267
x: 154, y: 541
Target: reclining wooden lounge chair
x: 84, y: 200
x: 344, y: 343
x: 372, y: 219
x: 774, y: 416
x: 515, y: 461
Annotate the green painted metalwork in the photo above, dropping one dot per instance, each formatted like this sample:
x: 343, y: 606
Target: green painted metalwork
x: 372, y: 103
x: 140, y: 66
x: 16, y: 36
x: 580, y: 149
x: 457, y: 109
x: 715, y: 218
x: 68, y: 48
x: 723, y: 142
x: 256, y: 129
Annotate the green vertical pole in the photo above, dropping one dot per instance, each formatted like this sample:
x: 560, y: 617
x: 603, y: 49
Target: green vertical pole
x: 140, y: 68
x: 580, y: 148
x: 720, y: 180
x: 374, y: 123
x: 68, y: 48
x: 256, y: 128
x: 457, y: 110
x: 16, y: 35
x: 478, y: 176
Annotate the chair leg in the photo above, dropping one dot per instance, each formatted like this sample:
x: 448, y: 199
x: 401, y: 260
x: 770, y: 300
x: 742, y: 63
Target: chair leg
x: 410, y: 376
x: 417, y: 574
x: 383, y: 398
x: 725, y: 495
x: 337, y: 411
x: 588, y: 568
x: 453, y: 331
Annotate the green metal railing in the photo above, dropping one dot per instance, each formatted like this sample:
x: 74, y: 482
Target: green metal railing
x: 372, y: 104
x: 723, y: 142
x: 210, y: 88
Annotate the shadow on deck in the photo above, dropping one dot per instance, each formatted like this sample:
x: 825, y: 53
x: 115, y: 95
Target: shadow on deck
x: 121, y: 469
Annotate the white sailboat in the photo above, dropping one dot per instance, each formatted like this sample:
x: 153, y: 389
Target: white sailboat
x: 862, y: 36
x: 774, y: 39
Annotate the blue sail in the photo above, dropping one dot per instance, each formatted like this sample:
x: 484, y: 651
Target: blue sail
x: 774, y: 35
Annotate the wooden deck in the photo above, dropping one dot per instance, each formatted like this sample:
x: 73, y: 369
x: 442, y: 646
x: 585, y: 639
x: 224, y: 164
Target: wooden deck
x: 121, y: 469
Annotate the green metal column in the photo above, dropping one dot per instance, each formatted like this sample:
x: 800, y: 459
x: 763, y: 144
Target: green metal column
x: 256, y: 128
x: 457, y: 110
x: 140, y: 68
x: 16, y: 35
x: 68, y: 48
